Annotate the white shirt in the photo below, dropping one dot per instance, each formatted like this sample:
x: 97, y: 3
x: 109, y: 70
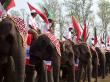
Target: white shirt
x: 92, y: 42
x: 108, y: 48
x: 32, y: 21
x: 44, y: 28
x: 102, y: 46
x: 69, y: 36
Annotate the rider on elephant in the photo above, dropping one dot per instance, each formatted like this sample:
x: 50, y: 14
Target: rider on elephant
x: 32, y: 33
x: 68, y: 35
x: 33, y: 27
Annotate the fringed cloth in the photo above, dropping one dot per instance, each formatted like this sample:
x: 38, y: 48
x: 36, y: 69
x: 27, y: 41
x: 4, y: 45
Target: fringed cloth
x: 21, y: 27
x: 55, y: 41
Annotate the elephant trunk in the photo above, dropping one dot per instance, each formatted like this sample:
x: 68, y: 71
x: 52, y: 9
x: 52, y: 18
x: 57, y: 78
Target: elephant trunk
x: 19, y: 58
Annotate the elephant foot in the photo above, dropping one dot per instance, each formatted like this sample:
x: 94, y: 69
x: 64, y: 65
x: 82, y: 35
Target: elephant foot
x: 95, y: 81
x: 103, y: 77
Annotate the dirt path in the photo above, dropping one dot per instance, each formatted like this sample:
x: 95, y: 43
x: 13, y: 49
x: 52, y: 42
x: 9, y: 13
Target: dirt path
x: 107, y: 79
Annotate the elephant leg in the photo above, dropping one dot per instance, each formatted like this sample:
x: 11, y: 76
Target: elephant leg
x: 85, y: 73
x: 71, y: 70
x: 71, y: 75
x: 80, y: 71
x: 64, y: 69
x: 1, y: 73
x: 30, y: 73
x: 56, y: 67
x: 50, y: 76
x: 89, y: 70
x: 106, y: 69
x: 96, y: 71
x: 103, y: 67
x: 103, y: 71
x: 109, y: 67
x: 9, y: 74
x: 41, y: 71
x: 19, y: 59
x: 49, y: 70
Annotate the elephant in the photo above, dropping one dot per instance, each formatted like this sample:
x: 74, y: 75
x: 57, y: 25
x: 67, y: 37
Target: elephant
x: 82, y: 52
x: 67, y: 61
x: 12, y: 52
x: 102, y: 61
x: 95, y: 62
x: 107, y: 55
x: 42, y: 49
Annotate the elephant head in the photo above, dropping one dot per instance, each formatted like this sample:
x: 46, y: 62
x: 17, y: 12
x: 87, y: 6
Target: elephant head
x: 102, y: 61
x: 43, y: 49
x: 67, y: 53
x: 67, y: 60
x: 6, y: 40
x: 11, y: 51
x: 82, y: 52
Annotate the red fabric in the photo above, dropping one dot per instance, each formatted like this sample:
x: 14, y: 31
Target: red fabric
x: 21, y: 27
x: 29, y: 39
x: 77, y: 28
x: 27, y: 61
x: 0, y: 13
x: 93, y: 48
x: 88, y: 46
x: 54, y: 41
x: 11, y: 4
x: 76, y: 68
x: 49, y: 68
x: 40, y: 13
x: 84, y: 32
x: 95, y: 40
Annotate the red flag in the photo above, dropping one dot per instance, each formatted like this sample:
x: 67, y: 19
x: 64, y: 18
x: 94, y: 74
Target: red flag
x: 84, y: 35
x: 7, y: 4
x: 11, y: 4
x: 0, y: 13
x: 40, y: 13
x: 77, y: 28
x: 95, y: 37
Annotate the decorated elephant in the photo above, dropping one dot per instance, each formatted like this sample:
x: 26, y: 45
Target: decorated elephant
x: 67, y: 61
x: 102, y: 61
x: 12, y: 54
x: 82, y: 52
x: 95, y: 62
x: 41, y: 50
x: 107, y: 55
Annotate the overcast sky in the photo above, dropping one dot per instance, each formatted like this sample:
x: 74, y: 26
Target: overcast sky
x: 22, y: 4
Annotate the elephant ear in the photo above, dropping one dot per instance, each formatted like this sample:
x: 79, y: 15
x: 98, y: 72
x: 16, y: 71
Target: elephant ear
x: 3, y: 26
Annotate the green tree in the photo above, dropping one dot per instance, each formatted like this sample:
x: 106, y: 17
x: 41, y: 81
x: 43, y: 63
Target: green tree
x: 15, y: 13
x: 104, y: 15
x: 79, y: 8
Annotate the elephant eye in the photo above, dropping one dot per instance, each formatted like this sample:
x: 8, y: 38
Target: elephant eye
x: 10, y: 39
